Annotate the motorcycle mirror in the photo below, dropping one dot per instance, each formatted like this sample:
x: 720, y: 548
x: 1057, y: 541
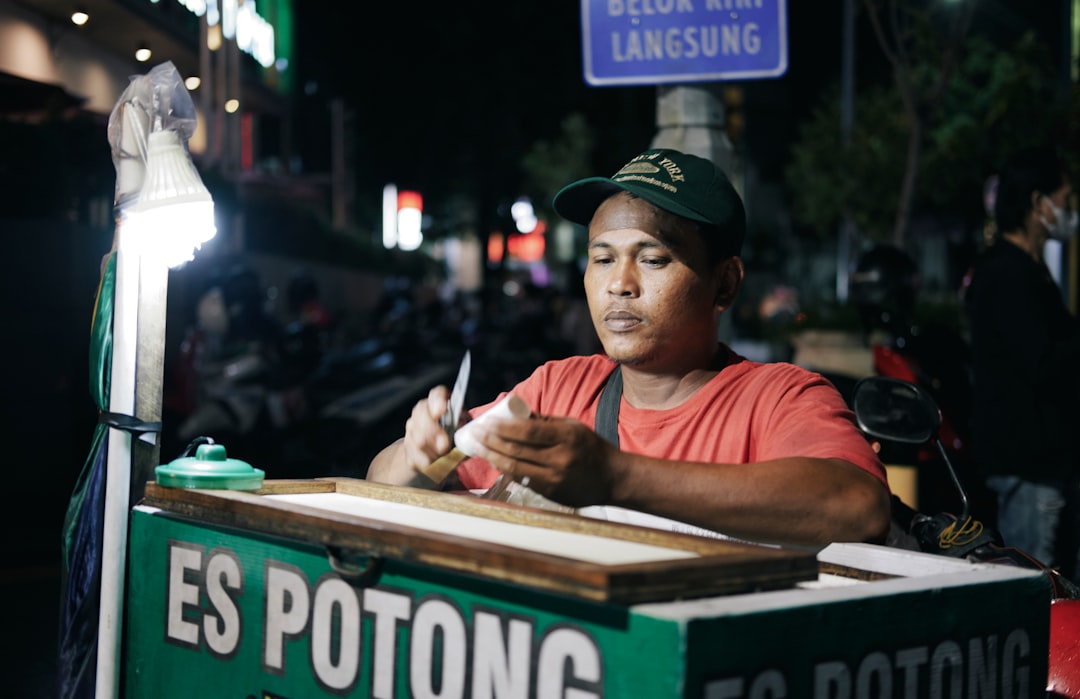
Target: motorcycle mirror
x: 901, y: 411
x: 895, y: 410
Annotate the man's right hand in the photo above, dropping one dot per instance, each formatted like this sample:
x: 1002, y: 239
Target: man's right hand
x: 425, y: 440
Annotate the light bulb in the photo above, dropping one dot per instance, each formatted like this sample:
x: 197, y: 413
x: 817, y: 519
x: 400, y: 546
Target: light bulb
x: 174, y: 214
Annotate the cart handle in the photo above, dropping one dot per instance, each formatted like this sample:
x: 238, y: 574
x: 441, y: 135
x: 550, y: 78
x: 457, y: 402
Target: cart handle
x: 345, y: 564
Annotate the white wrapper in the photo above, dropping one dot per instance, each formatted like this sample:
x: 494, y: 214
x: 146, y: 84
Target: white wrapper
x: 510, y: 406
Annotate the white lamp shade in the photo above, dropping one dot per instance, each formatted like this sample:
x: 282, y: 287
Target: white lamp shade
x: 174, y: 211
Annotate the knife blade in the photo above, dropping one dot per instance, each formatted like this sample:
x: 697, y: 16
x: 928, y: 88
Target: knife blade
x: 441, y: 467
x: 457, y: 396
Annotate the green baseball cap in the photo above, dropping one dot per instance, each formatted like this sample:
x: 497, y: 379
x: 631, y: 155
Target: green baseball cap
x: 684, y: 184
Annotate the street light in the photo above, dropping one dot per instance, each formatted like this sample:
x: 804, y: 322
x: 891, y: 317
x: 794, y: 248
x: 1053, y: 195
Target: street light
x: 409, y: 217
x: 165, y: 213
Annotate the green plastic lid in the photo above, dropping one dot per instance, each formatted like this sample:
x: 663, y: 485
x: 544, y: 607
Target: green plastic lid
x: 210, y: 468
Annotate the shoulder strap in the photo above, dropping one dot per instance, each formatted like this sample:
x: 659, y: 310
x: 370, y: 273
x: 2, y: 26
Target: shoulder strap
x: 607, y: 412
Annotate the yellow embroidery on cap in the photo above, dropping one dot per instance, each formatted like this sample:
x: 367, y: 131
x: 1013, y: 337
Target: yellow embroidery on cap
x: 647, y: 180
x: 673, y: 170
x: 637, y: 168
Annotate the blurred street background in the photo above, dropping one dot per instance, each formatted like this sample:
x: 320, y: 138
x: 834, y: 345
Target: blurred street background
x: 303, y: 333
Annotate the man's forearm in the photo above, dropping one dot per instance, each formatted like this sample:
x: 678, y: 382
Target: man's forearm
x: 389, y: 466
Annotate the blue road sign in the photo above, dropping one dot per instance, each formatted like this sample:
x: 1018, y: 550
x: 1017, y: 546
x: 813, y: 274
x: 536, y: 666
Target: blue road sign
x: 650, y: 42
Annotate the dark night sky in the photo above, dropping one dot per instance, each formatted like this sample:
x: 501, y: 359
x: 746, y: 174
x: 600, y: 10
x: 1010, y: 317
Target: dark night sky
x: 439, y: 97
x: 450, y: 95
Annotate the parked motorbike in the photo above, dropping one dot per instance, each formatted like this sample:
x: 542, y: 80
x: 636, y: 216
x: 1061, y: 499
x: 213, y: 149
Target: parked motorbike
x: 884, y: 290
x: 896, y: 410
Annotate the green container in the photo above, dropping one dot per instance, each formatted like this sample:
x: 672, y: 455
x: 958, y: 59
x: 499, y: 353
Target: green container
x: 210, y: 468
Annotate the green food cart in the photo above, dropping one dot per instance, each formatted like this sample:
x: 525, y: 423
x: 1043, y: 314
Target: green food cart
x: 343, y: 588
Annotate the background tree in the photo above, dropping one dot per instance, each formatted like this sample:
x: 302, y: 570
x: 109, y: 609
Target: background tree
x: 551, y: 163
x: 922, y: 46
x: 825, y: 179
x: 997, y: 100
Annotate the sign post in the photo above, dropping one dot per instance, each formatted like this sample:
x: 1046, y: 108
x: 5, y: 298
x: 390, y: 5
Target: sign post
x: 653, y: 42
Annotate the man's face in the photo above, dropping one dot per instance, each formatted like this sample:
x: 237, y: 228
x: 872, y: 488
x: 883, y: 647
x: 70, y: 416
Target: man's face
x: 651, y: 290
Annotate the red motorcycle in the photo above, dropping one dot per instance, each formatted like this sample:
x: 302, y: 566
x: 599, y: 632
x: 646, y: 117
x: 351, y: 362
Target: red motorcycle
x: 901, y: 411
x: 929, y: 351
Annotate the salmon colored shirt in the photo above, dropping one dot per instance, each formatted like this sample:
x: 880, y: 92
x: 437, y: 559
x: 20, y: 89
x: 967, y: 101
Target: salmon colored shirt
x: 748, y: 412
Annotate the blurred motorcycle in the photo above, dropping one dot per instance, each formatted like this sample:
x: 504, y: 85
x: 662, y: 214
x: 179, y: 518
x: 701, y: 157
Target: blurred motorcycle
x: 884, y: 290
x: 286, y: 398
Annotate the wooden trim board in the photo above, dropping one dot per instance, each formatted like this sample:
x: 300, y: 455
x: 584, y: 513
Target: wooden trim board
x: 656, y: 565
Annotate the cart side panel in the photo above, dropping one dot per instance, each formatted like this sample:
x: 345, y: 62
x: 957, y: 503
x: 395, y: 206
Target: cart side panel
x: 980, y: 639
x: 225, y: 611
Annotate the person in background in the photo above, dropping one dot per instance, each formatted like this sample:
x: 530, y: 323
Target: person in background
x: 305, y: 302
x: 700, y: 438
x: 1026, y: 359
x: 229, y: 360
x: 308, y: 335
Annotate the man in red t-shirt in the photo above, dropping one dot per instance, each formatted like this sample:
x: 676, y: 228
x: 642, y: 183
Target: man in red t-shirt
x: 765, y: 452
